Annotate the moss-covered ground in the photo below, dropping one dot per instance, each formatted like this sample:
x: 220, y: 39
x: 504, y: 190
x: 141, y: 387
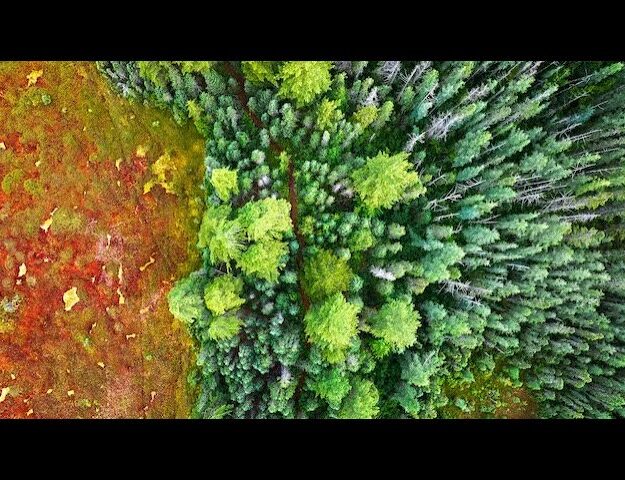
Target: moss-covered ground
x: 101, y: 195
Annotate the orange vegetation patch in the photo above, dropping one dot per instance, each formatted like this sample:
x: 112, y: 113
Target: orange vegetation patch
x: 86, y: 258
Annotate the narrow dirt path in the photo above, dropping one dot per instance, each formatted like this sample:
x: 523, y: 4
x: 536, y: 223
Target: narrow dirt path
x: 293, y: 200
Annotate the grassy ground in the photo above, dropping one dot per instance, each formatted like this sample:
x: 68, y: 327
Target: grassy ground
x: 100, y: 195
x: 490, y: 395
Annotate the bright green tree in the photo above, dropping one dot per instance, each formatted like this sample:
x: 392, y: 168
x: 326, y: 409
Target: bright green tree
x: 263, y: 259
x: 268, y: 218
x: 326, y: 274
x: 384, y: 179
x: 185, y: 299
x: 302, y: 82
x: 260, y: 72
x: 222, y: 294
x: 365, y: 115
x: 225, y: 182
x: 396, y: 323
x: 222, y: 237
x: 331, y: 325
x: 362, y: 402
x: 333, y: 386
x: 328, y: 114
x: 224, y: 327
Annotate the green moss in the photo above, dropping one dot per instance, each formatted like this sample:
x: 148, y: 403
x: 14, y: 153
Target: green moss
x: 66, y: 254
x: 12, y: 180
x: 32, y: 97
x: 9, y: 313
x: 67, y: 220
x: 46, y: 99
x: 34, y: 187
x: 489, y: 394
x: 84, y: 403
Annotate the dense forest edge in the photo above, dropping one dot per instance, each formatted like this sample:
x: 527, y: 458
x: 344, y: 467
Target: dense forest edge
x: 402, y: 239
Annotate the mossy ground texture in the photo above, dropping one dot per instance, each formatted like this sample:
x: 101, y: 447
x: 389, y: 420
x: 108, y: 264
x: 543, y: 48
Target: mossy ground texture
x: 101, y: 195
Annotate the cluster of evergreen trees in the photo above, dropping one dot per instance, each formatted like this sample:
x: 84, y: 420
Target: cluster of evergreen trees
x: 378, y: 232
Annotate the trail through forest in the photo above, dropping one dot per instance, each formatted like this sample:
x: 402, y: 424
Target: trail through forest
x: 293, y: 200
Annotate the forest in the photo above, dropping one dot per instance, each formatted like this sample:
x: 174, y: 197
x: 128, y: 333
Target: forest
x: 402, y: 239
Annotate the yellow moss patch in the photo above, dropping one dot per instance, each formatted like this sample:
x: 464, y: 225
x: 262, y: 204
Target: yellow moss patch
x: 70, y: 298
x: 141, y: 151
x: 147, y: 264
x: 163, y: 174
x: 45, y: 226
x: 4, y: 393
x: 122, y: 299
x: 34, y: 76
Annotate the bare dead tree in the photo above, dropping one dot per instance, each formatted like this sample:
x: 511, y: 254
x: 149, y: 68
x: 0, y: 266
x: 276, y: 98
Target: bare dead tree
x: 469, y: 184
x: 450, y: 196
x: 412, y: 141
x: 451, y: 286
x: 383, y: 274
x: 518, y: 266
x: 343, y: 66
x: 562, y: 203
x: 372, y: 97
x: 582, y: 217
x: 476, y: 93
x: 413, y: 76
x: 441, y: 124
x: 389, y: 71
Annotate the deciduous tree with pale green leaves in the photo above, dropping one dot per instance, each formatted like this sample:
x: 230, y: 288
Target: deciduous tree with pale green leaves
x: 222, y: 294
x: 302, y: 82
x: 224, y: 327
x: 325, y: 274
x: 384, y: 179
x: 224, y: 181
x: 331, y: 326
